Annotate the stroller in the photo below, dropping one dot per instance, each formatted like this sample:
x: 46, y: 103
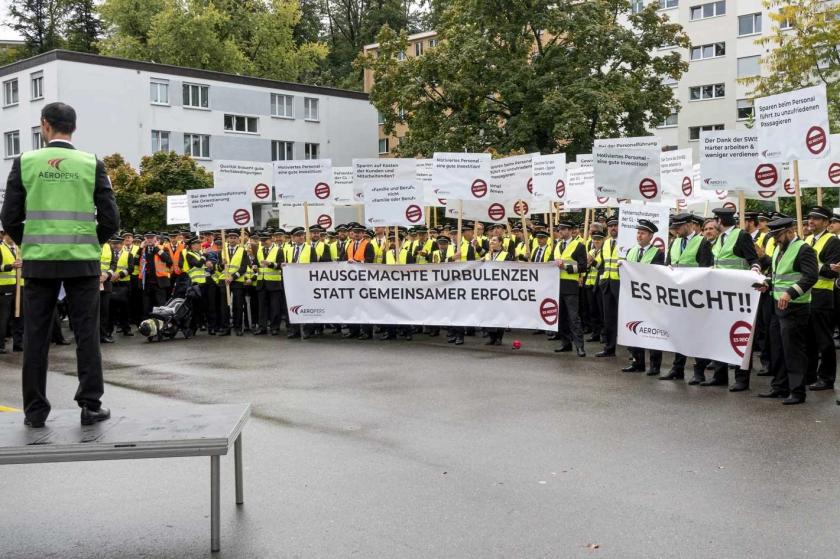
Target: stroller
x: 173, y: 317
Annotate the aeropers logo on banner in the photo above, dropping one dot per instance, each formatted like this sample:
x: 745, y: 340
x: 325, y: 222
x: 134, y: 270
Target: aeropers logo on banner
x: 639, y: 328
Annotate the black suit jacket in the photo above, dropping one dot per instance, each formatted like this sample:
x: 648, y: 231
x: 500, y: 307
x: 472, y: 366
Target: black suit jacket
x: 13, y: 215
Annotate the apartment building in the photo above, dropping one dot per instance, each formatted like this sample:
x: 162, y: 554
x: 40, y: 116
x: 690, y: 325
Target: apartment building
x: 138, y: 108
x: 723, y: 36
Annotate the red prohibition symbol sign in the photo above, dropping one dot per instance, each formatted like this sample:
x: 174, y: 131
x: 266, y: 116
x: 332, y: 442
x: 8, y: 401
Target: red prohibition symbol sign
x: 521, y: 208
x: 324, y: 221
x: 413, y: 213
x: 648, y: 189
x: 478, y: 188
x: 496, y: 212
x: 530, y: 186
x: 739, y: 336
x: 766, y: 175
x: 322, y: 191
x: 815, y: 140
x: 602, y: 199
x: 658, y: 242
x: 241, y: 216
x: 687, y: 186
x: 262, y: 191
x: 560, y: 189
x: 549, y: 311
x: 789, y: 187
x: 834, y: 173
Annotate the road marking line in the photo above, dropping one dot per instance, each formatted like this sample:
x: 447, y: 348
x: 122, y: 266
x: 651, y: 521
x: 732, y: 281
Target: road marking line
x: 4, y: 408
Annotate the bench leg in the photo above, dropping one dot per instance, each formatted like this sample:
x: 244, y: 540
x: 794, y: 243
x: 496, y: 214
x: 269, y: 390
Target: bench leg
x: 237, y: 456
x: 215, y: 479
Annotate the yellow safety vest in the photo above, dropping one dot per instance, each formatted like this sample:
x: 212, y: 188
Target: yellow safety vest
x: 122, y: 266
x: 610, y: 259
x: 271, y: 274
x: 10, y: 277
x: 822, y: 283
x: 196, y: 274
x: 235, y: 263
x: 566, y: 256
x: 105, y: 258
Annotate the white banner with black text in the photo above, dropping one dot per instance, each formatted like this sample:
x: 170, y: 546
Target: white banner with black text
x: 488, y: 294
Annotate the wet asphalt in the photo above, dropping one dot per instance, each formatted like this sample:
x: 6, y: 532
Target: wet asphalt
x: 423, y: 449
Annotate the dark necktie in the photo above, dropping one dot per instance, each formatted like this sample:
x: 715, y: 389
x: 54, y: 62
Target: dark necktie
x: 639, y: 257
x: 683, y: 243
x: 563, y: 246
x: 297, y: 253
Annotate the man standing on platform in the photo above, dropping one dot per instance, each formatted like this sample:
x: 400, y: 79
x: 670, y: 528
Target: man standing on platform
x: 61, y: 238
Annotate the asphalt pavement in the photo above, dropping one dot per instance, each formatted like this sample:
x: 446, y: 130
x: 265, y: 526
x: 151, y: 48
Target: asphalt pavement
x: 423, y: 449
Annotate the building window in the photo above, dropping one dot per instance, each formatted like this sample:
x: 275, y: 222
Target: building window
x: 401, y: 55
x: 637, y: 6
x: 380, y: 118
x: 282, y: 151
x: 160, y: 140
x: 310, y: 108
x: 159, y: 92
x: 711, y: 9
x: 712, y: 50
x: 703, y: 92
x: 745, y: 109
x: 418, y: 48
x: 239, y: 123
x: 433, y: 43
x: 749, y: 24
x: 12, y: 143
x: 10, y: 93
x: 383, y: 146
x: 37, y: 139
x: 670, y: 121
x: 311, y: 151
x: 749, y: 66
x: 197, y: 145
x: 694, y: 131
x: 282, y: 105
x: 196, y: 96
x: 665, y: 4
x: 36, y: 85
x: 786, y: 24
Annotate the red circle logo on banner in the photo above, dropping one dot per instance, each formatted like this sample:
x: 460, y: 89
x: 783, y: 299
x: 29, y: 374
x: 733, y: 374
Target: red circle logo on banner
x: 324, y: 221
x: 262, y: 191
x: 549, y: 311
x: 789, y: 187
x: 739, y: 336
x: 602, y: 200
x: 496, y: 212
x: 721, y: 194
x: 815, y: 140
x: 687, y: 186
x: 658, y: 242
x: 478, y: 188
x: 766, y: 175
x: 241, y: 216
x: 767, y: 194
x: 730, y: 205
x: 648, y: 189
x: 530, y: 186
x: 322, y: 191
x: 413, y: 213
x: 560, y: 189
x: 521, y: 208
x: 834, y: 173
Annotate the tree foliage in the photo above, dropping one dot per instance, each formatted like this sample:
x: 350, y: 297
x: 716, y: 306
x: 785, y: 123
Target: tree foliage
x: 805, y: 54
x: 39, y: 22
x: 141, y: 197
x: 538, y: 75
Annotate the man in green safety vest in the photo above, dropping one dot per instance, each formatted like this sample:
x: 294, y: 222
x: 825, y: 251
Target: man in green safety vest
x: 60, y: 209
x: 794, y: 273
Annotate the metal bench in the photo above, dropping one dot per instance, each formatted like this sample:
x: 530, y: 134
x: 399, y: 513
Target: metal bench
x: 135, y: 433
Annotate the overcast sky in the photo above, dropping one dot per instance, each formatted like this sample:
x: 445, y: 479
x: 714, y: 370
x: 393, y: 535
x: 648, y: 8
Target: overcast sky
x: 5, y: 32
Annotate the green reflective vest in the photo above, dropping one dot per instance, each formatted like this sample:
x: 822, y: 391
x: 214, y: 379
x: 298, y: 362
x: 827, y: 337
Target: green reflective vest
x: 822, y: 283
x: 60, y: 220
x: 7, y: 259
x: 195, y: 273
x: 687, y: 258
x: 784, y: 276
x: 725, y: 257
x: 647, y: 256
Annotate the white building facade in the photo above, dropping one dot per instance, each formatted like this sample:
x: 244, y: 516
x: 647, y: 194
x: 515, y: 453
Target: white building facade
x: 138, y: 108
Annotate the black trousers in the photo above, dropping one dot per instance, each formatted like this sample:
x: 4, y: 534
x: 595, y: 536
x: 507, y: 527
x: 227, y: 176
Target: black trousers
x: 40, y: 297
x: 212, y: 305
x: 271, y: 304
x: 596, y: 309
x: 8, y: 321
x: 788, y: 350
x: 120, y: 309
x: 762, y: 326
x: 105, y: 328
x: 638, y: 355
x: 237, y: 295
x: 568, y: 324
x: 153, y: 296
x: 609, y: 294
x: 135, y: 297
x: 822, y: 359
x: 495, y: 334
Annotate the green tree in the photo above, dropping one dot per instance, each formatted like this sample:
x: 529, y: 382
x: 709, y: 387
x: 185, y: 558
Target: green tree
x: 83, y: 28
x: 802, y: 53
x: 141, y: 197
x: 39, y: 22
x: 537, y: 75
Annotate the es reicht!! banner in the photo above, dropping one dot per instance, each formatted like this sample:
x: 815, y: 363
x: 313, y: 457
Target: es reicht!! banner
x: 489, y: 294
x: 699, y: 312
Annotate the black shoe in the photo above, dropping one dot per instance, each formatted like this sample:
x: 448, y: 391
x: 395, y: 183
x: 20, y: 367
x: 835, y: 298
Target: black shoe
x: 224, y: 333
x: 553, y: 337
x: 673, y: 375
x: 537, y: 333
x: 633, y: 368
x: 563, y: 349
x: 240, y: 333
x: 450, y: 340
x: 3, y: 351
x: 292, y: 335
x: 459, y: 341
x: 409, y: 337
x: 774, y: 394
x: 260, y: 332
x: 764, y: 373
x: 793, y: 400
x: 713, y: 382
x: 821, y: 385
x: 385, y: 337
x: 739, y: 387
x: 363, y: 337
x: 594, y: 338
x: 34, y: 423
x: 347, y: 335
x: 305, y: 336
x: 275, y: 332
x: 605, y: 353
x: 89, y: 416
x: 211, y: 332
x: 491, y: 341
x: 695, y: 380
x: 434, y: 334
x: 580, y: 352
x: 653, y: 372
x: 106, y: 340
